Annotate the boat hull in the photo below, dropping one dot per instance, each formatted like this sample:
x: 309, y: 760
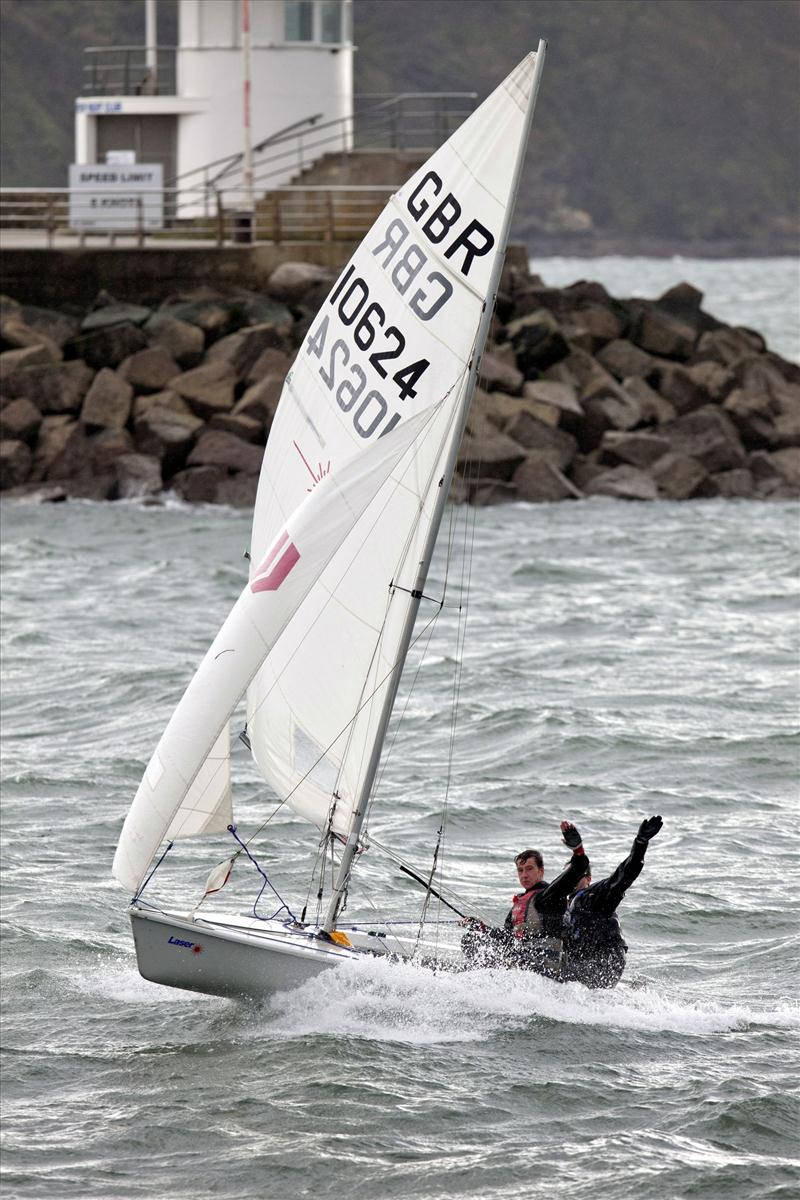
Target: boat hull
x: 230, y: 958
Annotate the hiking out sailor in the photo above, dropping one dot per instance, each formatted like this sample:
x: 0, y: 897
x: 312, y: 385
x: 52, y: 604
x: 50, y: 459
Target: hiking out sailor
x: 531, y: 934
x: 593, y: 949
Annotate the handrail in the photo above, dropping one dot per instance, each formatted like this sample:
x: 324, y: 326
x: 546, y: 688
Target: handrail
x: 231, y: 158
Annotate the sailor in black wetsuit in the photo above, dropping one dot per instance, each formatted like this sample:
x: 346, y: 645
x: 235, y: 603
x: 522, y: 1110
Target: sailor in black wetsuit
x: 531, y: 934
x: 593, y: 950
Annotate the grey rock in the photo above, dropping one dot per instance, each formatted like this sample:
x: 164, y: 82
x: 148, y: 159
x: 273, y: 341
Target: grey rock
x: 737, y: 484
x: 167, y: 435
x: 107, y: 347
x: 554, y: 444
x: 658, y: 332
x: 624, y: 360
x: 261, y: 400
x: 708, y: 436
x: 728, y: 346
x: 242, y: 350
x: 292, y: 280
x: 537, y: 479
x: 654, y: 409
x: 623, y: 483
x: 638, y: 449
x: 216, y: 448
x: 485, y: 493
x: 496, y: 375
x: 149, y: 370
x: 270, y: 362
x: 54, y: 388
x: 114, y: 314
x: 238, y: 491
x: 107, y: 404
x: 682, y: 477
x: 138, y: 475
x: 20, y: 420
x: 198, y: 485
x: 244, y: 427
x: 495, y: 456
x: 208, y: 389
x: 15, y: 463
x: 183, y: 342
x: 538, y: 342
x: 14, y: 361
x: 106, y: 447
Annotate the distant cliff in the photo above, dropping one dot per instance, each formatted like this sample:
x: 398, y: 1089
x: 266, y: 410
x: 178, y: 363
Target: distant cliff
x: 661, y: 127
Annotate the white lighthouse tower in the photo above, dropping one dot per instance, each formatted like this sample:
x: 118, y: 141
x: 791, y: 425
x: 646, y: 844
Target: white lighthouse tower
x: 184, y: 107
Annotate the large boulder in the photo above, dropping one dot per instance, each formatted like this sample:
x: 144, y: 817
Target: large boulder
x: 728, y: 346
x: 107, y: 404
x: 198, y: 485
x: 183, y: 342
x: 271, y: 361
x: 622, y: 483
x: 675, y: 383
x: 682, y: 477
x: 637, y: 449
x: 216, y: 448
x: 291, y: 281
x: 537, y: 479
x: 538, y: 342
x: 242, y: 350
x: 554, y: 444
x: 709, y: 437
x: 45, y: 325
x: 149, y: 370
x: 138, y: 476
x: 496, y: 456
x: 109, y: 313
x: 496, y: 375
x: 106, y: 347
x: 106, y: 447
x: 247, y: 428
x: 53, y: 388
x: 14, y: 361
x: 20, y: 420
x: 167, y: 435
x: 208, y: 389
x: 15, y: 463
x: 623, y: 360
x: 654, y: 408
x: 659, y: 332
x: 238, y: 491
x: 737, y: 484
x: 260, y: 401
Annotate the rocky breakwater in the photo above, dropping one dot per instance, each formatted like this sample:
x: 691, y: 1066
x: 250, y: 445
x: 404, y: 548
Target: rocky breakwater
x: 580, y: 395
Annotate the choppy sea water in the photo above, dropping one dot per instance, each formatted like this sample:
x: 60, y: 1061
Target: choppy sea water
x: 620, y: 660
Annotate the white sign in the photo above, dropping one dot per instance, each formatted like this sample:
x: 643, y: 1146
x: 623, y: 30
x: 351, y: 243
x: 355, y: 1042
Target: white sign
x: 121, y: 158
x: 108, y: 196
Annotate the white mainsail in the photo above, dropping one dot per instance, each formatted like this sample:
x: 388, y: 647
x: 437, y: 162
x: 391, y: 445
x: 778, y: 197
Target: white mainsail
x: 167, y: 797
x: 397, y: 332
x: 352, y: 488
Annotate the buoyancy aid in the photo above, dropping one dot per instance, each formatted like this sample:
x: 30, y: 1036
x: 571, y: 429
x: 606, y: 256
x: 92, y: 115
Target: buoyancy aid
x: 543, y: 949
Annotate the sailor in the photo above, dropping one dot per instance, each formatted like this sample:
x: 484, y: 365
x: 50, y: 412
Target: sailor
x: 593, y: 950
x: 531, y: 934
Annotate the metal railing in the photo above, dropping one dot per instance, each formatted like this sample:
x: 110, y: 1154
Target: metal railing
x: 125, y: 71
x: 59, y: 218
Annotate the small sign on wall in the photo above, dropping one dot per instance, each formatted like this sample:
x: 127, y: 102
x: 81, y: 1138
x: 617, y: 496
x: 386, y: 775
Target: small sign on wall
x: 114, y: 196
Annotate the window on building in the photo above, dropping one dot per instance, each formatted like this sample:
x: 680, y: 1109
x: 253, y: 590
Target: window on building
x: 331, y: 22
x: 298, y: 20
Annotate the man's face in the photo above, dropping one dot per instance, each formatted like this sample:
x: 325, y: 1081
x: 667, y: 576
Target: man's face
x: 528, y: 873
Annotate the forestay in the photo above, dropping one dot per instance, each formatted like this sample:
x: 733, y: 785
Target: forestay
x: 396, y: 334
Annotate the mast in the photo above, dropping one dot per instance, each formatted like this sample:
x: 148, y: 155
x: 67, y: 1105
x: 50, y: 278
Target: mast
x: 359, y: 813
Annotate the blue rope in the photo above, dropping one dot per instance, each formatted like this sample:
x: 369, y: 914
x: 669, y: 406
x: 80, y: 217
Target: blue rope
x: 152, y: 873
x: 265, y: 884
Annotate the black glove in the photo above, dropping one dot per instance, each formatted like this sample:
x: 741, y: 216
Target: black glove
x: 649, y: 828
x: 570, y: 835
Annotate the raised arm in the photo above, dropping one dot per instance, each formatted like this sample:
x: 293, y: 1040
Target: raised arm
x: 604, y: 896
x: 553, y: 895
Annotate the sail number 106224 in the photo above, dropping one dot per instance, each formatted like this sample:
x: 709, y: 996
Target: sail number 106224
x: 367, y: 318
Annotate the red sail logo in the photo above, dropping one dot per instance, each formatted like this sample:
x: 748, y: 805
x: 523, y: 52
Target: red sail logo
x: 280, y: 559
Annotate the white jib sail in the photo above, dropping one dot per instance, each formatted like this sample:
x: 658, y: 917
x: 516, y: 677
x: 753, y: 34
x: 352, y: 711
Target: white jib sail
x: 180, y: 771
x: 396, y: 334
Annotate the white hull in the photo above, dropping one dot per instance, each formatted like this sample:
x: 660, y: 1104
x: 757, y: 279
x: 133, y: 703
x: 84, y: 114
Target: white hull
x: 234, y: 956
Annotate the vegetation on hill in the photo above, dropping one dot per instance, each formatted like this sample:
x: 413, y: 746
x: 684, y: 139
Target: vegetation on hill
x: 661, y: 123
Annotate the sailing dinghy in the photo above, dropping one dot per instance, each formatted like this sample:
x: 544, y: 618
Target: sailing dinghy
x: 352, y: 490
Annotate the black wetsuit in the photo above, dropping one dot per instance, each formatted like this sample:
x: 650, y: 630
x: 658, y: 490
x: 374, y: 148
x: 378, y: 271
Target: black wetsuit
x: 593, y: 949
x: 539, y: 946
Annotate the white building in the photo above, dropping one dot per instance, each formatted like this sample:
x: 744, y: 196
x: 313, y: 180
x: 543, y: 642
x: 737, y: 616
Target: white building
x: 183, y: 106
